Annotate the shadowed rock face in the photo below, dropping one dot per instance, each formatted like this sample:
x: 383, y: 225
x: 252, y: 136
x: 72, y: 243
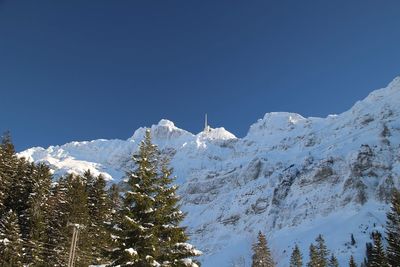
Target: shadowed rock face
x: 291, y: 177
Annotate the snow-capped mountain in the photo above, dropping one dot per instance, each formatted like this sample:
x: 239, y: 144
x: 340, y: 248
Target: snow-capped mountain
x: 290, y: 177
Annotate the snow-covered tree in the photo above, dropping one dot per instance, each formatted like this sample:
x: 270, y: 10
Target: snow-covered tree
x: 78, y: 213
x: 99, y: 207
x: 36, y: 214
x: 4, y: 180
x: 261, y: 253
x: 148, y: 233
x: 56, y: 247
x: 393, y: 230
x: 11, y: 253
x: 296, y: 259
x: 8, y: 171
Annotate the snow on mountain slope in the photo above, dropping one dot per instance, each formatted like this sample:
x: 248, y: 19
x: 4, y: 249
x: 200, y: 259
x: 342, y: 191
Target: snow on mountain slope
x: 290, y: 177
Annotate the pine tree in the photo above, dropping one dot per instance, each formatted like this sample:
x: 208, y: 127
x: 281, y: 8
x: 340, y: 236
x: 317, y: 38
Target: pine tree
x: 314, y: 257
x: 168, y: 217
x: 333, y: 262
x: 21, y: 186
x: 114, y: 195
x: 78, y: 213
x: 8, y: 163
x: 352, y: 263
x: 56, y: 248
x: 393, y: 230
x: 7, y: 144
x: 378, y: 257
x: 4, y: 181
x: 368, y: 254
x: 100, y: 217
x: 35, y: 214
x: 261, y: 253
x: 322, y: 251
x: 148, y: 232
x: 11, y: 253
x: 296, y: 259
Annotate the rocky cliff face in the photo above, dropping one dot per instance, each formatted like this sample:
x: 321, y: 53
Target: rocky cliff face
x: 290, y: 177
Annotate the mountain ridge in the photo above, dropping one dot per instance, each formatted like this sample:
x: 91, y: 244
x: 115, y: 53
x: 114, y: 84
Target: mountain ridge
x: 291, y: 177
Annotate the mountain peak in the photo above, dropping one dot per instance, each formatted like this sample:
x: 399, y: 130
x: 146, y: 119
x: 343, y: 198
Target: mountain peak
x: 395, y: 84
x: 166, y: 123
x: 217, y: 134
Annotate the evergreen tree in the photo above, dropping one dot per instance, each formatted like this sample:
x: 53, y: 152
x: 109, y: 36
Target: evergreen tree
x: 378, y: 257
x: 7, y: 144
x: 148, y: 232
x: 352, y: 263
x: 11, y: 253
x: 21, y: 186
x: 368, y: 254
x: 114, y: 195
x: 8, y: 171
x: 100, y: 217
x: 4, y: 181
x: 168, y: 217
x: 78, y: 213
x: 333, y: 262
x: 322, y: 251
x: 296, y: 259
x: 314, y: 258
x: 261, y: 253
x: 56, y: 248
x: 393, y: 230
x: 35, y: 214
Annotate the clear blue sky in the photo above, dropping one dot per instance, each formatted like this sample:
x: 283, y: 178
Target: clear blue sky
x: 81, y: 70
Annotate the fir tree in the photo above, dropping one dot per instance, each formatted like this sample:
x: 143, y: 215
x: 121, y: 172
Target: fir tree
x: 7, y: 144
x: 114, y: 195
x: 148, y: 232
x: 314, y: 257
x: 99, y: 215
x: 35, y: 215
x: 393, y: 230
x: 8, y: 171
x: 21, y: 185
x: 56, y: 247
x: 322, y: 251
x: 296, y: 259
x: 168, y: 217
x: 368, y: 254
x: 11, y: 253
x: 261, y: 253
x: 352, y: 263
x: 4, y: 181
x: 378, y: 257
x: 78, y: 213
x: 333, y: 262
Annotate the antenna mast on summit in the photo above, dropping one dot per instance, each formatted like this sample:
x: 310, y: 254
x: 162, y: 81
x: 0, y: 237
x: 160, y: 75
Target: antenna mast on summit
x: 206, y: 127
